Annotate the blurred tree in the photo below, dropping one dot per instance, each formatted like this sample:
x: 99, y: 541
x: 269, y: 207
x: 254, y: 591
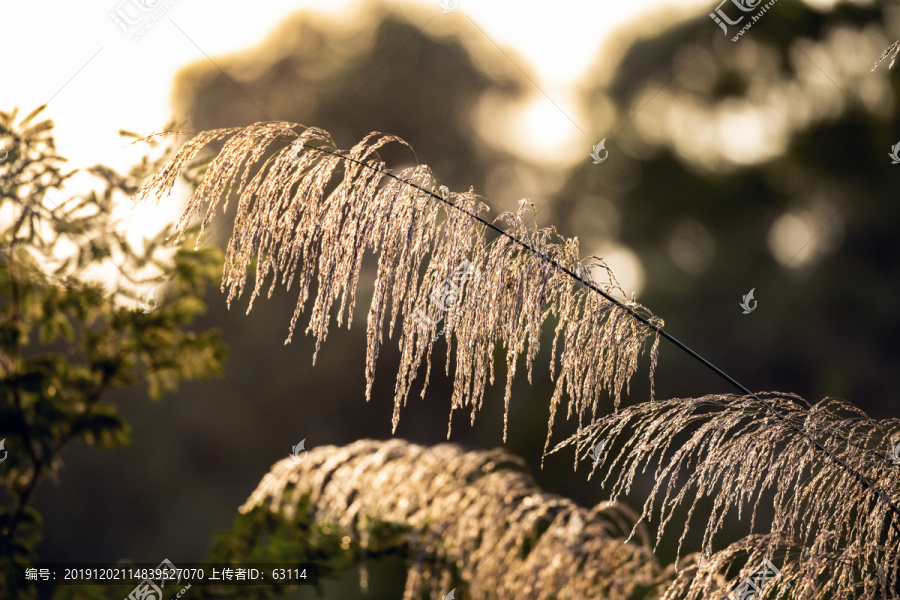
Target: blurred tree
x: 379, y: 68
x: 67, y: 342
x: 762, y: 164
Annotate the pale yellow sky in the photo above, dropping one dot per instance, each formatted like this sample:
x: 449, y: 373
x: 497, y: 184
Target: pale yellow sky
x: 97, y: 81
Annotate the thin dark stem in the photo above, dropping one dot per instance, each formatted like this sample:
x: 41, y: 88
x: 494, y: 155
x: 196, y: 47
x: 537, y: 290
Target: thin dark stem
x: 879, y: 493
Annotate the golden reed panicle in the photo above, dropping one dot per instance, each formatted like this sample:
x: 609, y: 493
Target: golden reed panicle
x: 475, y: 517
x: 299, y: 233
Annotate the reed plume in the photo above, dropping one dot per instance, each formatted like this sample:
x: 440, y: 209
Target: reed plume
x: 892, y: 50
x: 477, y: 522
x: 834, y: 537
x: 510, y: 286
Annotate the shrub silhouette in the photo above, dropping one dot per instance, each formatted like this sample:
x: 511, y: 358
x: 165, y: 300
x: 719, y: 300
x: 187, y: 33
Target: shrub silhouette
x: 67, y: 343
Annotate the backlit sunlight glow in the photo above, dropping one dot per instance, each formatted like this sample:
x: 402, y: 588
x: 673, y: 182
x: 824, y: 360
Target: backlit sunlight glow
x: 560, y: 41
x: 541, y: 129
x: 554, y: 42
x: 626, y: 266
x: 800, y: 237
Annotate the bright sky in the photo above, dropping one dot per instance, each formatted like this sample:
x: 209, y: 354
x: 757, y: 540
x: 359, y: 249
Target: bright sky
x: 97, y: 81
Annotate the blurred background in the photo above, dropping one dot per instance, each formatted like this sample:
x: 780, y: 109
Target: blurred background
x: 758, y: 164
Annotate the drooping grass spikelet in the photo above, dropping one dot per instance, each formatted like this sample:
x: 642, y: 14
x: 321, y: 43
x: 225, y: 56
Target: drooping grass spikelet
x: 308, y: 213
x: 838, y: 538
x: 478, y: 515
